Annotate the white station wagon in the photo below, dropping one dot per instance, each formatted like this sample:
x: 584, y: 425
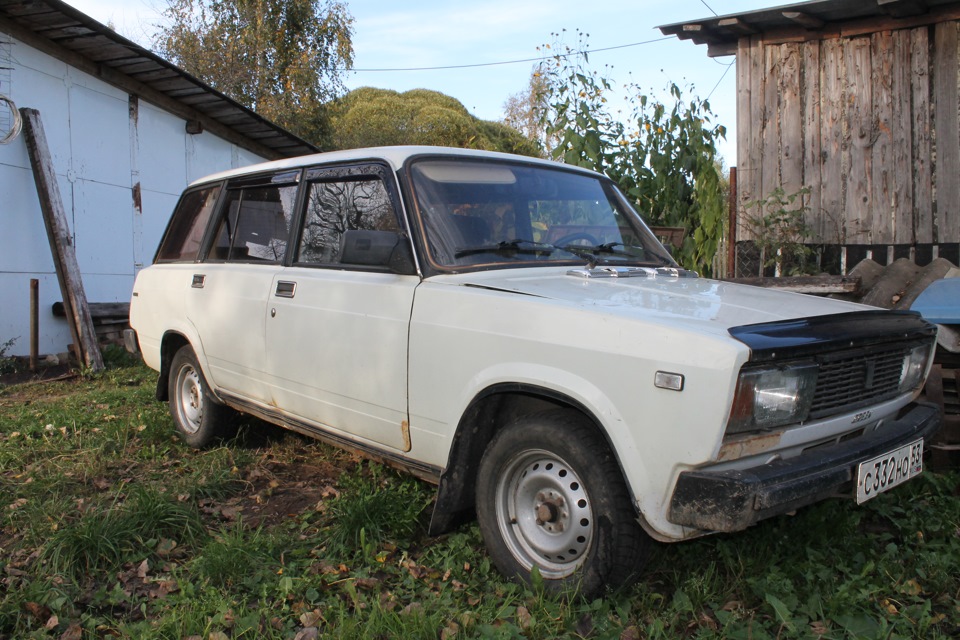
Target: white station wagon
x: 509, y: 329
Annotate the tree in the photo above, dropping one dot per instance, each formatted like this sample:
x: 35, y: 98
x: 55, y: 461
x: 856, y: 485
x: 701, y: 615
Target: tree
x: 281, y: 58
x: 522, y: 111
x: 368, y: 117
x: 662, y: 154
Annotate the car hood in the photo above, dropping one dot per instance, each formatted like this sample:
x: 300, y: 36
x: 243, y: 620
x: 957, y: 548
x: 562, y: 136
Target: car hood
x: 711, y: 305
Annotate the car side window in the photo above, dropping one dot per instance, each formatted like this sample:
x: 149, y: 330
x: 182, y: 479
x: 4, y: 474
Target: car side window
x: 181, y: 242
x: 337, y: 208
x: 255, y: 224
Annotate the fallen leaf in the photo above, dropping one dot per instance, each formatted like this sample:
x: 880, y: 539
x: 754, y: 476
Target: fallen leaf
x: 309, y: 633
x: 311, y: 618
x: 229, y: 619
x: 165, y: 547
x: 413, y: 607
x: 707, y: 621
x: 217, y: 635
x: 450, y: 631
x: 52, y: 623
x: 820, y: 627
x: 630, y: 633
x: 164, y: 588
x: 911, y: 587
x: 143, y: 569
x: 36, y: 610
x: 523, y: 618
x: 73, y: 632
x: 367, y: 583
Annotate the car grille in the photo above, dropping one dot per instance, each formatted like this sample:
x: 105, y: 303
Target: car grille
x: 853, y: 379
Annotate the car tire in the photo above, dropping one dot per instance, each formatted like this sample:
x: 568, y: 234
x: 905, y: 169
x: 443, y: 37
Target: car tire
x: 550, y: 495
x: 199, y: 417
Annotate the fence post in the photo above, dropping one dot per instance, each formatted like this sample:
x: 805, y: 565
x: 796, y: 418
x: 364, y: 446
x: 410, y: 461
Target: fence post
x: 732, y: 230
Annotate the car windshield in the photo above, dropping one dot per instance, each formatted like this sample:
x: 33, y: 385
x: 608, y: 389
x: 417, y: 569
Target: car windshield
x: 482, y: 213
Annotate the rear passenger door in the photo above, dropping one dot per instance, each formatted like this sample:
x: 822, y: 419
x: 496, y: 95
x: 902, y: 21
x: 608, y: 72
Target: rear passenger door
x: 229, y: 289
x: 337, y: 321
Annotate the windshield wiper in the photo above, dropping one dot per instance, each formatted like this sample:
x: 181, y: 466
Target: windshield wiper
x: 608, y: 247
x: 508, y: 247
x: 592, y: 254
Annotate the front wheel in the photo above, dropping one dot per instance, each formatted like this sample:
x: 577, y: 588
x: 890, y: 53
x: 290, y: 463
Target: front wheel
x: 199, y: 418
x: 550, y: 495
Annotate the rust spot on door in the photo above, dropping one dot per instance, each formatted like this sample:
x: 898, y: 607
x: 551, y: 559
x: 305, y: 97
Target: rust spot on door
x: 137, y: 198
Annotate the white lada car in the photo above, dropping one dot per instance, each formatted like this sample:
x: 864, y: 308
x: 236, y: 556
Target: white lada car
x: 509, y: 329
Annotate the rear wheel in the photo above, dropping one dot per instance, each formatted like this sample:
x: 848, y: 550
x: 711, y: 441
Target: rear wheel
x: 199, y: 418
x: 550, y: 495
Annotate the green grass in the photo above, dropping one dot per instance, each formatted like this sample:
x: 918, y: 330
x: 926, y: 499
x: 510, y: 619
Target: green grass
x: 109, y: 527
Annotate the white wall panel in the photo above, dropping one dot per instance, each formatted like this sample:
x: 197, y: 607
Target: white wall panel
x: 207, y: 154
x: 23, y: 242
x: 104, y: 229
x: 100, y: 135
x: 97, y: 157
x: 163, y: 159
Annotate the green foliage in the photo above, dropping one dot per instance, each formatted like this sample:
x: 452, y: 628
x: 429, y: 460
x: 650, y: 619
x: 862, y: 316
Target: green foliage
x: 369, y: 117
x: 662, y: 155
x: 282, y: 58
x: 778, y: 226
x: 109, y: 527
x: 375, y: 506
x: 101, y: 540
x: 7, y: 364
x: 234, y: 554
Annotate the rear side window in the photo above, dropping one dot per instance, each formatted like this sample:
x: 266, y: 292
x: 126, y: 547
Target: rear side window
x: 338, y: 208
x: 255, y: 224
x: 181, y: 242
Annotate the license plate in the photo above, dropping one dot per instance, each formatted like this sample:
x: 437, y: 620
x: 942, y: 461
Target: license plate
x: 886, y: 471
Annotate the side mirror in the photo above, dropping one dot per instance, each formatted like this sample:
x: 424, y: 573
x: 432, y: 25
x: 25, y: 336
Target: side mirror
x: 378, y: 249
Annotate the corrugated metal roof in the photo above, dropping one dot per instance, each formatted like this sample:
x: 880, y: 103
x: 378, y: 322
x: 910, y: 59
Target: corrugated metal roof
x: 721, y: 33
x: 112, y: 57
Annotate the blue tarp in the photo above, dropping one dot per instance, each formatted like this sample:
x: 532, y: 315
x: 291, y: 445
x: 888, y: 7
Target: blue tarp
x: 940, y: 302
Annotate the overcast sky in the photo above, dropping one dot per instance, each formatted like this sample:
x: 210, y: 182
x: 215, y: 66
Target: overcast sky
x: 429, y: 33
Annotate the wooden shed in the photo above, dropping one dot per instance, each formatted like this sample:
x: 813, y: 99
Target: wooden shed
x: 855, y: 101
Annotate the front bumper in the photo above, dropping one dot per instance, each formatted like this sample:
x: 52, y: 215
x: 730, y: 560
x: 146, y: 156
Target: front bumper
x: 733, y: 499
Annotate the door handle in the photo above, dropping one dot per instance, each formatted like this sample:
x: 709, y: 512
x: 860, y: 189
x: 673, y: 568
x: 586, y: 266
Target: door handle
x: 198, y: 279
x: 285, y: 289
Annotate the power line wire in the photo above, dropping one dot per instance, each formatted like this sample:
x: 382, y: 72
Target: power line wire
x: 704, y: 3
x: 725, y: 71
x: 494, y: 64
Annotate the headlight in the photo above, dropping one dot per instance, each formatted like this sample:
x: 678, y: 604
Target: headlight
x: 772, y: 396
x: 914, y: 368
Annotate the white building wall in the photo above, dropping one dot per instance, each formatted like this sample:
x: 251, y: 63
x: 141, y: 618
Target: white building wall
x: 101, y: 147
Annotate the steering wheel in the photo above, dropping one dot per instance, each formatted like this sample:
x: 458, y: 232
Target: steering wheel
x: 573, y: 237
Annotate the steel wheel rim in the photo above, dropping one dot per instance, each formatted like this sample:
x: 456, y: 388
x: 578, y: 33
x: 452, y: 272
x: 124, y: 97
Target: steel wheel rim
x: 544, y: 513
x: 189, y: 399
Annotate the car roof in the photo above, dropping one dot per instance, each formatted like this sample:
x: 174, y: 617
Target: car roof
x: 394, y: 156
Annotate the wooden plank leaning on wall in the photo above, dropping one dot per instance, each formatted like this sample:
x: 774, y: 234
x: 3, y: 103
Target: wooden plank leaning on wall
x: 85, y: 345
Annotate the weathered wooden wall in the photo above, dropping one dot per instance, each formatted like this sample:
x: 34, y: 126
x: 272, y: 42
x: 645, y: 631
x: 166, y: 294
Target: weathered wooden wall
x: 869, y: 124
